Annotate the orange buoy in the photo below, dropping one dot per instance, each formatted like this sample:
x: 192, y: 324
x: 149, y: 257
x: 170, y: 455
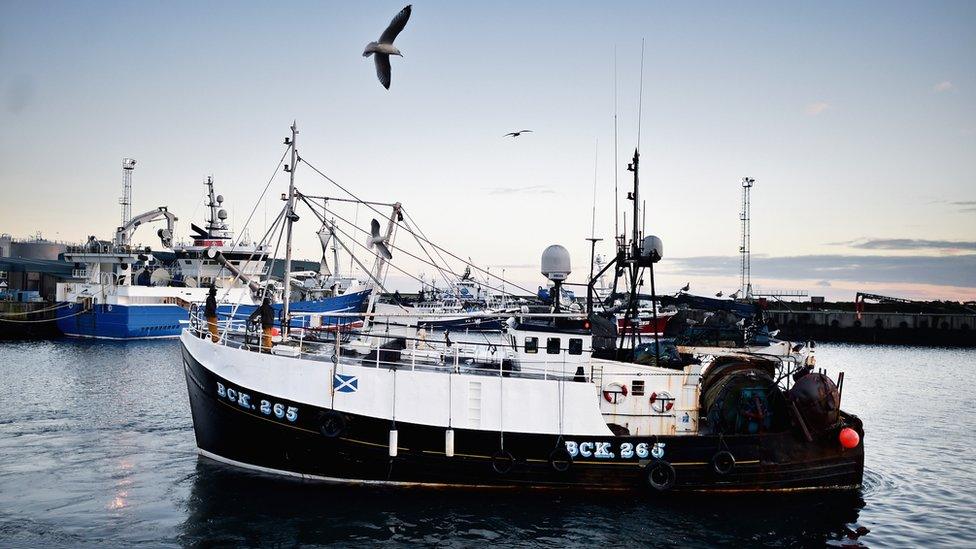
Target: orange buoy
x: 849, y: 438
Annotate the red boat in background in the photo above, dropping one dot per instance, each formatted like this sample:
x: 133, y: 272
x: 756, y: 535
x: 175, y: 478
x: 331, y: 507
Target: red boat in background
x: 644, y: 323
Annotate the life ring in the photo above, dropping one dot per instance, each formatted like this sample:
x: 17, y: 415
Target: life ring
x: 614, y: 389
x: 331, y: 423
x: 660, y: 475
x: 560, y: 459
x: 662, y: 402
x: 502, y: 462
x: 723, y: 462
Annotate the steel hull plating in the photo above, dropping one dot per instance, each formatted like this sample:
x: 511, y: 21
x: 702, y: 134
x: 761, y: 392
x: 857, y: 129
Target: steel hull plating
x: 243, y: 436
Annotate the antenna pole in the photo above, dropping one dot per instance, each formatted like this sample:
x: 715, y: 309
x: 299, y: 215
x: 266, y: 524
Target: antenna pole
x: 616, y: 206
x: 125, y: 200
x: 290, y: 219
x: 596, y: 164
x: 640, y: 96
x: 745, y: 275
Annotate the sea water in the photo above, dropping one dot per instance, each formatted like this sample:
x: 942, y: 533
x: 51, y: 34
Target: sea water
x: 97, y: 449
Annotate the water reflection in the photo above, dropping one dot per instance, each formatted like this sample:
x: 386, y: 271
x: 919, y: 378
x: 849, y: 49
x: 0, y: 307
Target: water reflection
x: 231, y: 506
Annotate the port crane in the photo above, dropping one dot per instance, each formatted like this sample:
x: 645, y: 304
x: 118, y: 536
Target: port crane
x: 123, y: 234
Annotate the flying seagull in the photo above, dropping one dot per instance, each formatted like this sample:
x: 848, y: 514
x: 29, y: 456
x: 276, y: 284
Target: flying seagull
x: 516, y: 134
x: 686, y: 287
x: 718, y: 294
x: 378, y: 241
x: 383, y: 48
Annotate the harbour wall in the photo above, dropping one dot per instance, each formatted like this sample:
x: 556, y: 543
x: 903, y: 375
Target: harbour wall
x: 907, y: 328
x: 28, y: 320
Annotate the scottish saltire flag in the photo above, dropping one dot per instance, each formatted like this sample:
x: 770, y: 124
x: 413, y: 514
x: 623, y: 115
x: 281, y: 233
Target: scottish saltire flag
x: 345, y: 384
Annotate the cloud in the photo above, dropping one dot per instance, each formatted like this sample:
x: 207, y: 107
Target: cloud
x: 943, y: 86
x: 945, y: 270
x: 965, y: 205
x: 813, y: 109
x: 531, y: 189
x: 908, y: 244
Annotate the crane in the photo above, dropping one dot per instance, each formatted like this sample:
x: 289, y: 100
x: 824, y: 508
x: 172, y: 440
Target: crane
x: 123, y: 234
x: 862, y: 296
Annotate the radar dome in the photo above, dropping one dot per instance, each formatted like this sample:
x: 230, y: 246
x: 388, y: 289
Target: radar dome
x: 220, y: 199
x: 652, y: 248
x: 555, y: 263
x: 160, y: 277
x: 222, y: 214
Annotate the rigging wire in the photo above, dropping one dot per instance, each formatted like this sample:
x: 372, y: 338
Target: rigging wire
x: 393, y: 246
x: 398, y: 223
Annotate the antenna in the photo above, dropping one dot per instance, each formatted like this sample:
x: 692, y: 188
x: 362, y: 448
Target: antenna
x: 593, y: 239
x: 128, y: 165
x: 616, y: 205
x: 745, y: 277
x: 596, y: 163
x: 640, y: 96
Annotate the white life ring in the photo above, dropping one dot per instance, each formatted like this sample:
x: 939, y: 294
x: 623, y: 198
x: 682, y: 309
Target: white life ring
x: 662, y: 402
x: 611, y: 392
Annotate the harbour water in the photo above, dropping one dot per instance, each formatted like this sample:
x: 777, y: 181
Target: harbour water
x: 97, y: 449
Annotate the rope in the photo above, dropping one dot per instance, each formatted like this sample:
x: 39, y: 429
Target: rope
x: 435, y: 246
x: 26, y: 313
x: 391, y: 245
x: 42, y: 320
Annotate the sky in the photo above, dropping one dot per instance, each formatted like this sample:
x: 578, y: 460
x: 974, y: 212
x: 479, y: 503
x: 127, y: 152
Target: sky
x: 856, y: 119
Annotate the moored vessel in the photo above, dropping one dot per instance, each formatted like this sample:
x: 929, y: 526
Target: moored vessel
x: 557, y: 410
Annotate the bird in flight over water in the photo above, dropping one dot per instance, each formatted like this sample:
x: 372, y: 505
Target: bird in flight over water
x: 383, y: 48
x: 516, y: 134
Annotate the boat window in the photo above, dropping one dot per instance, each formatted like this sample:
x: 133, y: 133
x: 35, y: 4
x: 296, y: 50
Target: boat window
x: 532, y: 345
x: 637, y: 387
x: 552, y: 346
x: 575, y: 346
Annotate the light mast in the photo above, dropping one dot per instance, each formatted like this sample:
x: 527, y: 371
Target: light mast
x: 290, y: 219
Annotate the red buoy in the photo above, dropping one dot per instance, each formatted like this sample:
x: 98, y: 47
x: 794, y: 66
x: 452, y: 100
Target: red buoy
x: 849, y: 438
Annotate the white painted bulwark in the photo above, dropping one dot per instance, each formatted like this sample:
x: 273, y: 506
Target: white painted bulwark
x: 493, y: 403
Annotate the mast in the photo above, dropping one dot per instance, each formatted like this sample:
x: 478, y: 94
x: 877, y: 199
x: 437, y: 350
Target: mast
x: 290, y: 219
x: 634, y: 252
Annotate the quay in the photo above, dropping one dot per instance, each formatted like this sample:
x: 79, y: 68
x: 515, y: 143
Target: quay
x: 907, y: 323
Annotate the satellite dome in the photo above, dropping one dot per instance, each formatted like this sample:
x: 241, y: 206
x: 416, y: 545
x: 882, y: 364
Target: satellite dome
x: 220, y: 199
x: 222, y: 214
x: 652, y: 248
x: 555, y: 263
x: 160, y: 277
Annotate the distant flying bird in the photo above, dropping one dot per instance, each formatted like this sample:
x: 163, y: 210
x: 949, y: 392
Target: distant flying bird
x: 686, y: 287
x: 718, y: 294
x: 516, y: 134
x: 383, y: 48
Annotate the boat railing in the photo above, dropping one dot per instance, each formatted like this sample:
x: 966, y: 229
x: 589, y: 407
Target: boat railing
x: 339, y: 337
x: 330, y: 336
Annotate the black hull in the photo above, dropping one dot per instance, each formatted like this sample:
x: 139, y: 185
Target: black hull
x: 243, y: 436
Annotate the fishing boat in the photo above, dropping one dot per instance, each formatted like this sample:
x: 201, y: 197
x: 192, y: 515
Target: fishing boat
x: 449, y: 309
x: 566, y: 409
x: 122, y: 291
